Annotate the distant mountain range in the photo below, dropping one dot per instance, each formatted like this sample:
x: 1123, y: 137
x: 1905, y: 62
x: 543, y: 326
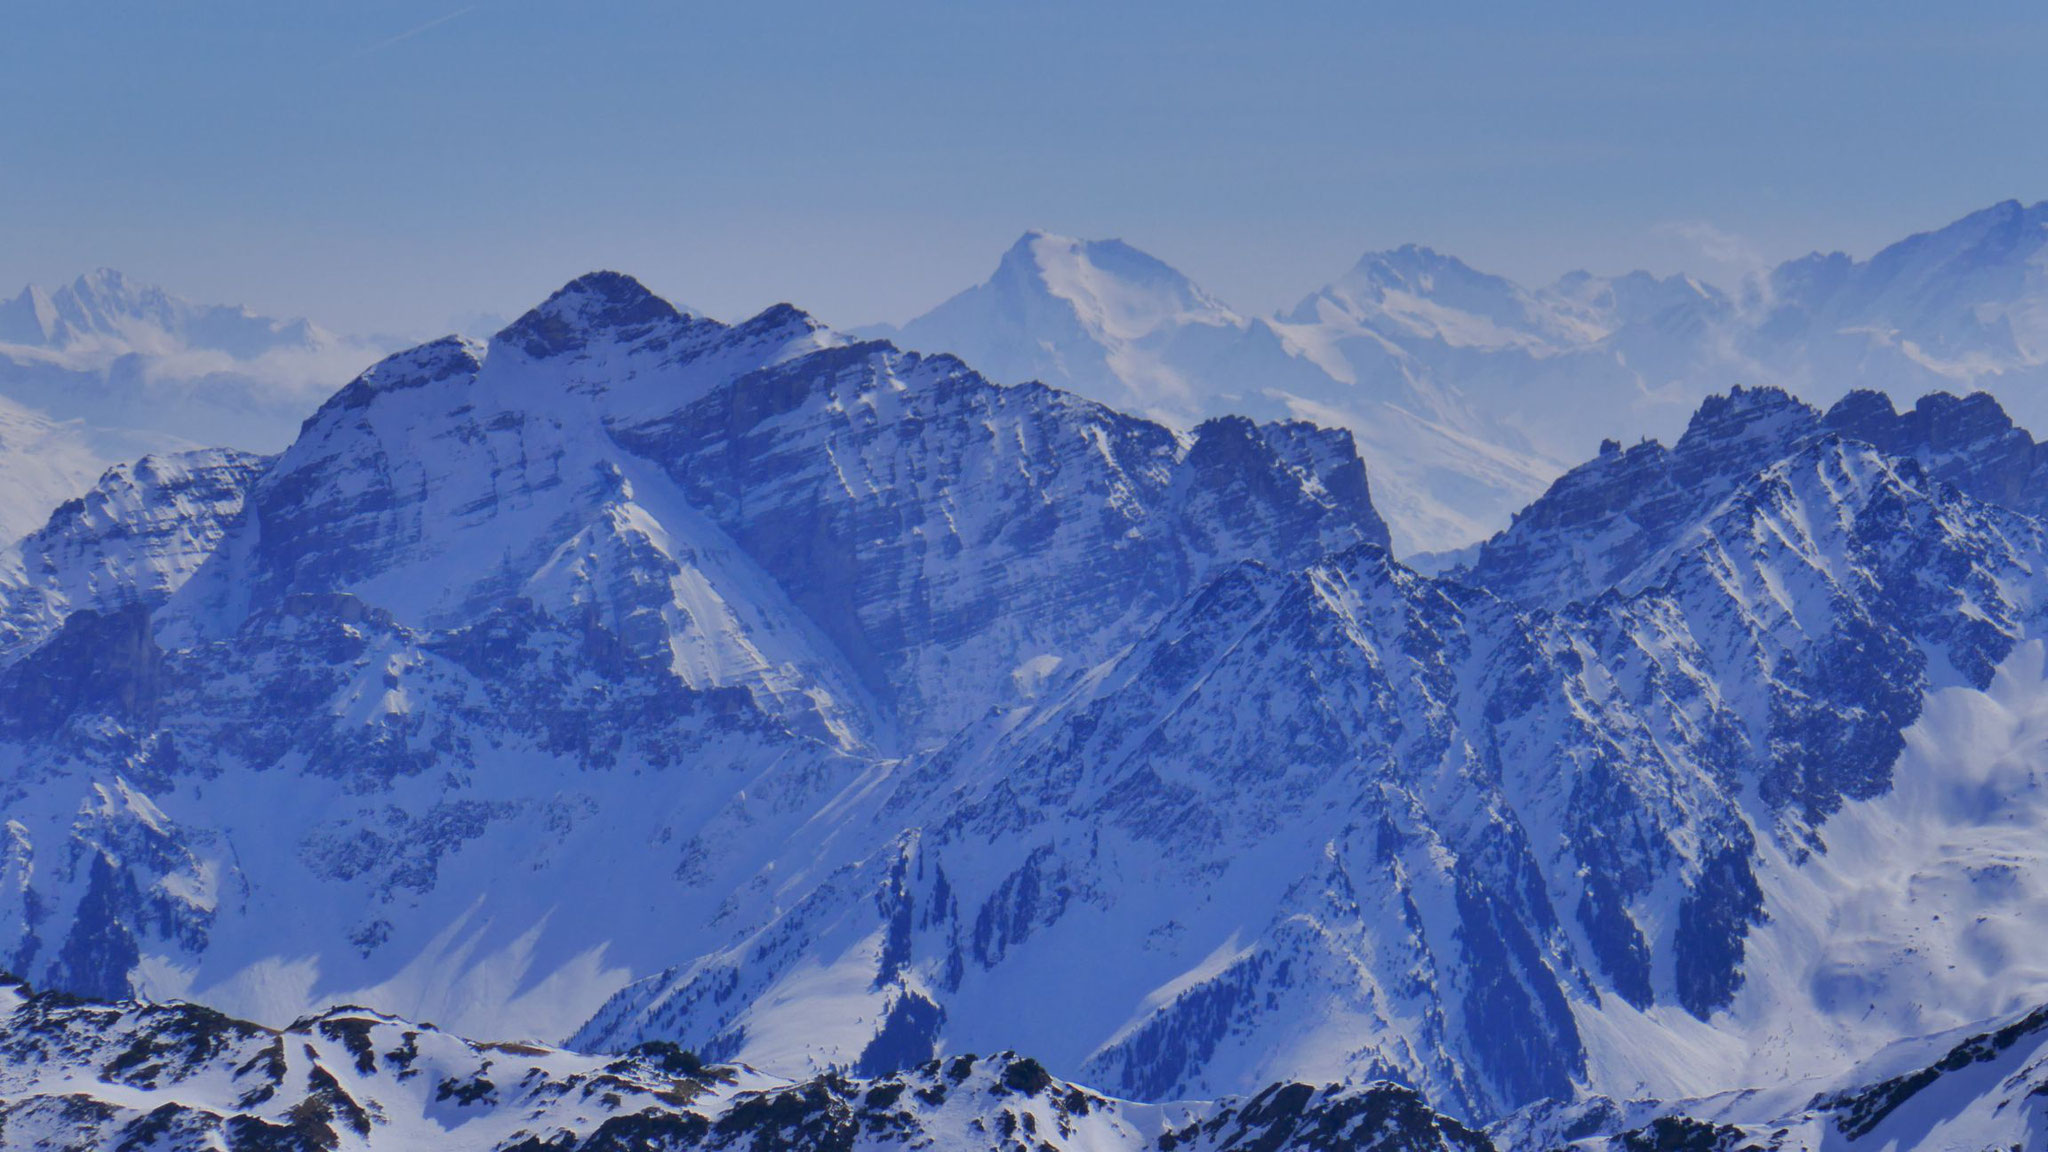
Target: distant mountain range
x: 102, y: 370
x: 1469, y: 393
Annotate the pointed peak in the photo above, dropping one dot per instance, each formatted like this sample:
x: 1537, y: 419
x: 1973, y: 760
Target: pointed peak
x: 598, y: 304
x: 775, y: 318
x: 1044, y: 253
x: 1032, y: 238
x: 780, y: 332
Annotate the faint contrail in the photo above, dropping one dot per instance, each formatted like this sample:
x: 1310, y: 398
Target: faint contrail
x: 408, y: 34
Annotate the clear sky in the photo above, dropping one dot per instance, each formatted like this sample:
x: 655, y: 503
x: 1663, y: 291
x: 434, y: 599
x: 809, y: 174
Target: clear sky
x: 391, y: 166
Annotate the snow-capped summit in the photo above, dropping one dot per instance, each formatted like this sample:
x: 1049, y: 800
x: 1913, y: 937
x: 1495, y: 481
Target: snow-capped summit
x: 600, y: 306
x: 1469, y: 393
x: 1115, y: 289
x: 1115, y: 324
x: 105, y: 309
x: 1964, y: 306
x: 1100, y: 317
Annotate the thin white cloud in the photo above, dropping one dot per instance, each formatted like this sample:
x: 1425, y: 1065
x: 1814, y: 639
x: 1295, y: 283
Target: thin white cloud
x: 409, y: 33
x: 1718, y: 245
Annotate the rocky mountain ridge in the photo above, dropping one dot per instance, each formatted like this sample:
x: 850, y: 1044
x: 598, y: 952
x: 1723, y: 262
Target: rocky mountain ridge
x: 172, y: 1077
x: 804, y: 702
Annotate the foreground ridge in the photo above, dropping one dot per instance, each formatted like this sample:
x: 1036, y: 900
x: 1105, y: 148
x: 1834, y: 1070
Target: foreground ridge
x: 180, y: 1078
x: 177, y: 1077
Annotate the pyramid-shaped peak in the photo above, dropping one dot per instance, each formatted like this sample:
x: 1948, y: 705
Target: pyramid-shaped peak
x: 776, y: 317
x: 596, y: 306
x: 1120, y: 290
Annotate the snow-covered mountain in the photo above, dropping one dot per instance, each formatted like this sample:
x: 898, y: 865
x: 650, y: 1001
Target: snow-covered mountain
x: 805, y: 702
x: 1110, y: 322
x: 131, y: 358
x: 182, y: 1078
x: 104, y: 370
x: 748, y: 567
x: 1469, y: 393
x: 1965, y: 306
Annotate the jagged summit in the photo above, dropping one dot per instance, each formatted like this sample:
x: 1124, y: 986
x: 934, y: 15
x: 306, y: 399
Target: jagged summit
x: 1744, y: 416
x: 783, y: 320
x: 132, y: 368
x: 609, y: 305
x: 1611, y: 514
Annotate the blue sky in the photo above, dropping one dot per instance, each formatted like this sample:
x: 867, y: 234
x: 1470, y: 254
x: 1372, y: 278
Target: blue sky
x: 385, y: 166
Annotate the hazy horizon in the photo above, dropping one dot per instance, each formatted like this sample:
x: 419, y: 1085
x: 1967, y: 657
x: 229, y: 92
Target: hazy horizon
x: 388, y: 168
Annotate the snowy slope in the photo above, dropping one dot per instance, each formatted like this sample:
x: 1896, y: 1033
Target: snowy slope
x: 43, y: 463
x: 134, y: 538
x: 1348, y: 818
x: 1970, y: 1089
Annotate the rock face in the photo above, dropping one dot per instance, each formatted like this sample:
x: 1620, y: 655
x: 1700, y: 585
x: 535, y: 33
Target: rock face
x: 133, y: 539
x: 1607, y: 518
x: 804, y: 702
x: 179, y: 1077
